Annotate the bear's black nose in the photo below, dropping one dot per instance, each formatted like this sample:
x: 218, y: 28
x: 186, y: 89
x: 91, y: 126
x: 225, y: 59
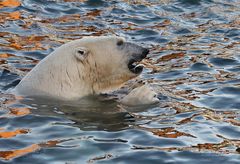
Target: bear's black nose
x: 145, y: 52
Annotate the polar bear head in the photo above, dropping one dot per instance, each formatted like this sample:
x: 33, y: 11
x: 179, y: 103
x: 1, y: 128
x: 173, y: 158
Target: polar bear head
x: 87, y: 66
x: 106, y: 62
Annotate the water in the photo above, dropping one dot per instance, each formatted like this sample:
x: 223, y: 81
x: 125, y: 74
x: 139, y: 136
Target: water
x: 194, y: 65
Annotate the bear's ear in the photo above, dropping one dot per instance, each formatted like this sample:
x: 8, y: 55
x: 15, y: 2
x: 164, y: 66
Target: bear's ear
x: 81, y: 53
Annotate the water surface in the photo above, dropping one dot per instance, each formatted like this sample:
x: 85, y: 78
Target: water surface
x: 194, y: 65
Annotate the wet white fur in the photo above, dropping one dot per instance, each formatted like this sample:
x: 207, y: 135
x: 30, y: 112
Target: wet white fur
x: 143, y: 95
x: 64, y: 74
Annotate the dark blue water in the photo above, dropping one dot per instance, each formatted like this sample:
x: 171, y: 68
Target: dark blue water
x: 194, y: 65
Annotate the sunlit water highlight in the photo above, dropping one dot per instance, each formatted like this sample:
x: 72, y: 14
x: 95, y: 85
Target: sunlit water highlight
x: 194, y: 65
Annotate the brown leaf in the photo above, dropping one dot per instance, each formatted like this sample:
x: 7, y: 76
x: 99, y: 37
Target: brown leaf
x: 37, y: 38
x: 95, y: 159
x: 51, y: 143
x: 2, y: 34
x: 234, y: 122
x: 165, y: 23
x: 170, y: 133
x: 184, y: 121
x: 94, y: 13
x: 171, y: 56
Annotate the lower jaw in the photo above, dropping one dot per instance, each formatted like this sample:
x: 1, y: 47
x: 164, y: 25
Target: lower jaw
x: 133, y: 75
x: 137, y: 70
x: 111, y: 84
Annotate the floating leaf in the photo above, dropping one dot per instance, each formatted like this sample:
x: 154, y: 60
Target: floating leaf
x: 20, y: 111
x: 94, y: 13
x: 171, y: 56
x: 6, y: 55
x: 7, y: 155
x: 11, y: 134
x: 51, y: 143
x: 10, y: 3
x: 16, y: 46
x: 15, y: 15
x: 170, y: 133
x: 105, y: 156
x: 11, y: 154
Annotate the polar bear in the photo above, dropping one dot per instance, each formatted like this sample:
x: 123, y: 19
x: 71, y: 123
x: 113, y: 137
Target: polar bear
x: 88, y: 66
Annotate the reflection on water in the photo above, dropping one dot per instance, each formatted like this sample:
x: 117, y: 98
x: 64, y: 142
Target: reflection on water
x: 194, y: 65
x: 91, y: 113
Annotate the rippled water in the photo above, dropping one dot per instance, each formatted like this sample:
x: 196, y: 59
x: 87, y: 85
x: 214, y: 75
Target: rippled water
x: 194, y: 65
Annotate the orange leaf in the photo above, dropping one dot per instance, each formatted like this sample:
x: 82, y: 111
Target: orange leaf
x: 51, y: 143
x: 10, y: 154
x: 10, y: 3
x: 16, y: 46
x: 7, y: 155
x: 20, y: 111
x: 11, y: 134
x: 15, y: 15
x: 6, y: 55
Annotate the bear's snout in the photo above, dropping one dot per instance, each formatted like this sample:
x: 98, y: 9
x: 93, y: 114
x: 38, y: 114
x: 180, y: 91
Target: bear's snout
x: 133, y: 63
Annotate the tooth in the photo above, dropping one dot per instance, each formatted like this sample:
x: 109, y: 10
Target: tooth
x: 140, y: 65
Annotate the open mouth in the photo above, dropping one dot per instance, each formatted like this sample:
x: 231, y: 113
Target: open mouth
x: 134, y: 63
x: 134, y: 66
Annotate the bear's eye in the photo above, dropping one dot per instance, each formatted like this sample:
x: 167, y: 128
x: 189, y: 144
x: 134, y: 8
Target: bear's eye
x: 81, y: 52
x: 120, y: 42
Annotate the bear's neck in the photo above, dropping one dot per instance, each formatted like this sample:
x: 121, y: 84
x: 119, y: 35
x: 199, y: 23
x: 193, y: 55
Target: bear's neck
x: 105, y: 84
x: 55, y: 79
